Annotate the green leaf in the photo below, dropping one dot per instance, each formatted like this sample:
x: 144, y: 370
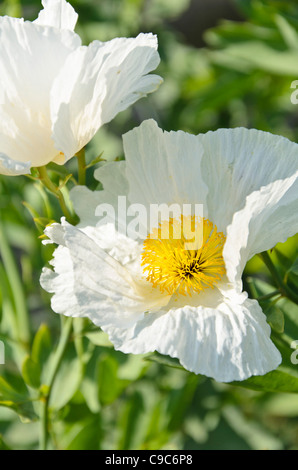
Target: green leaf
x: 255, y: 433
x: 290, y: 310
x: 34, y: 214
x: 31, y: 372
x: 164, y: 360
x: 88, y: 437
x: 67, y: 380
x: 292, y: 273
x: 3, y: 445
x: 133, y: 368
x: 294, y: 267
x: 17, y: 289
x: 275, y: 318
x: 229, y: 32
x: 99, y: 338
x: 166, y: 8
x: 89, y: 386
x: 18, y: 402
x: 7, y: 392
x: 287, y: 31
x: 109, y: 385
x: 284, y: 262
x: 42, y: 345
x: 276, y: 381
x: 180, y: 402
x: 157, y: 433
x: 129, y: 422
x: 263, y: 57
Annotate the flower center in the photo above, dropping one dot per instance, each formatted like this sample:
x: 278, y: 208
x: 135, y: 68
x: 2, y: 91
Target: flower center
x: 184, y: 255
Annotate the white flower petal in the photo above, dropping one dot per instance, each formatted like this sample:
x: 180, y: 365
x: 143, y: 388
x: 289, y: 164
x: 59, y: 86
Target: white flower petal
x: 230, y: 342
x: 25, y: 80
x: 128, y: 69
x: 239, y: 161
x: 61, y: 283
x: 112, y: 177
x: 163, y: 167
x: 96, y: 83
x: 57, y: 13
x: 233, y: 162
x: 11, y: 167
x: 55, y: 233
x: 95, y: 284
x: 269, y: 217
x: 26, y: 77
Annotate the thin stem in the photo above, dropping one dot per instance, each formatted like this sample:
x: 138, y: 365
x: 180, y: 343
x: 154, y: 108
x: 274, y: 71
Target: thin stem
x: 66, y: 328
x: 47, y: 182
x: 44, y: 423
x: 270, y: 295
x: 283, y: 288
x: 78, y: 327
x: 81, y: 167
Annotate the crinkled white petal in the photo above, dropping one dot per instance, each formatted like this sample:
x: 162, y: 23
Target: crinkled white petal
x: 269, y: 217
x: 240, y: 161
x: 176, y: 167
x: 26, y: 77
x: 164, y: 167
x: 57, y: 13
x: 25, y: 82
x: 121, y: 248
x: 12, y: 168
x: 229, y: 342
x: 112, y: 177
x: 88, y: 282
x: 128, y: 66
x: 96, y: 83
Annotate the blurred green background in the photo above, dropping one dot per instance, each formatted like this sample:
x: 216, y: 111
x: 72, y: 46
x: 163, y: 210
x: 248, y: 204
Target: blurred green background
x: 224, y: 64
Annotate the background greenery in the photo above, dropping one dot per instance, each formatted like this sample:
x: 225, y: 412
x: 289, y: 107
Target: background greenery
x: 239, y: 75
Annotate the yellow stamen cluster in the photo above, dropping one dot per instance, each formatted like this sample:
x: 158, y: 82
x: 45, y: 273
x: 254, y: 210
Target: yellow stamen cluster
x: 184, y: 255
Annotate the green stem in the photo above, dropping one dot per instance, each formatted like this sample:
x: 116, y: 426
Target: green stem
x: 270, y: 295
x: 78, y: 327
x: 66, y: 328
x: 284, y: 289
x: 81, y: 167
x: 47, y: 182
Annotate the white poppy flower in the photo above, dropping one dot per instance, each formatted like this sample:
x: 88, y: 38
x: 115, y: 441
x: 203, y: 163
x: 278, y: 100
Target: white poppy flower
x: 55, y: 93
x: 154, y: 295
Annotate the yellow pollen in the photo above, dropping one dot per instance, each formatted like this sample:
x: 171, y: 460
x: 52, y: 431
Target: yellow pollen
x: 184, y: 255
